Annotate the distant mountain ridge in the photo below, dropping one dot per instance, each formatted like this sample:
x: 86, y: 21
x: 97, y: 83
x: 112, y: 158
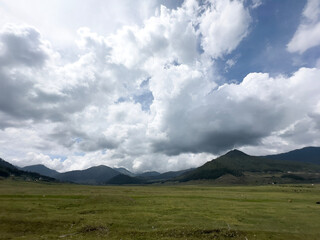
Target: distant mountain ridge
x: 8, y: 170
x: 165, y: 176
x: 41, y: 169
x: 234, y: 163
x: 238, y: 164
x: 307, y: 155
x: 125, y: 171
x: 94, y: 175
x: 6, y: 165
x: 105, y: 175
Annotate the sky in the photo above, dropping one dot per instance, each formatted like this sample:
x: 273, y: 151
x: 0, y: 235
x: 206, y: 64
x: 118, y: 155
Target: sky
x: 156, y: 85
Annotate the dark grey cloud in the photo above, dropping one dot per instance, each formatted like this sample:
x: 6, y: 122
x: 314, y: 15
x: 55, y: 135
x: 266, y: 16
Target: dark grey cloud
x: 22, y: 99
x: 219, y: 126
x: 22, y: 46
x: 68, y: 135
x: 316, y: 118
x: 240, y: 115
x: 96, y: 144
x: 13, y: 93
x: 22, y: 50
x: 170, y: 4
x: 26, y: 86
x: 7, y: 121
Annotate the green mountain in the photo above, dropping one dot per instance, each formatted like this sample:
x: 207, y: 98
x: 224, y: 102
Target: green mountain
x: 301, y: 165
x: 8, y: 170
x: 148, y: 174
x: 307, y: 155
x: 165, y: 176
x: 104, y: 175
x: 245, y: 168
x: 94, y: 175
x: 41, y: 169
x: 125, y: 179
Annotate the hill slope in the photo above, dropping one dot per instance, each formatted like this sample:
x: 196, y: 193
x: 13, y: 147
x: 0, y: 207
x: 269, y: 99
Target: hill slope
x: 41, y: 169
x: 307, y: 155
x: 148, y: 174
x: 165, y: 176
x: 94, y: 175
x: 239, y: 164
x: 125, y: 179
x: 8, y: 170
x: 124, y: 171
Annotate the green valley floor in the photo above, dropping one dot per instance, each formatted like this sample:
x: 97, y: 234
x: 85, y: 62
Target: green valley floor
x: 30, y: 210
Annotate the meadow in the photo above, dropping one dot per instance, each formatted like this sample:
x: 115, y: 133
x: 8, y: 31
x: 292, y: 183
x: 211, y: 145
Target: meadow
x: 30, y: 210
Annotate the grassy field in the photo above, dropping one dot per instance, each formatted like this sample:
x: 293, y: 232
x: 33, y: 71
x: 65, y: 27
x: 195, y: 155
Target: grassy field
x: 64, y: 211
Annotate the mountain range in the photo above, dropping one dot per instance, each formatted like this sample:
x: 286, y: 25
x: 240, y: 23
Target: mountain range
x: 307, y: 154
x: 8, y: 170
x: 239, y: 167
x: 104, y: 175
x: 41, y: 169
x: 301, y: 165
x: 94, y: 175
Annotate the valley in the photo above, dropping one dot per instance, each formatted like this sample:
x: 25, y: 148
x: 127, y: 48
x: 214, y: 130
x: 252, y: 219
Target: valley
x: 32, y: 210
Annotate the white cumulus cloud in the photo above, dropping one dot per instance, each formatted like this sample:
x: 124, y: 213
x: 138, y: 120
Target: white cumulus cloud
x: 308, y: 33
x: 145, y: 96
x: 223, y: 26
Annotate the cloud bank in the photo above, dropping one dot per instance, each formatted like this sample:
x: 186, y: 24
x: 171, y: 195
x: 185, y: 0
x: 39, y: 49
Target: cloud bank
x: 147, y: 97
